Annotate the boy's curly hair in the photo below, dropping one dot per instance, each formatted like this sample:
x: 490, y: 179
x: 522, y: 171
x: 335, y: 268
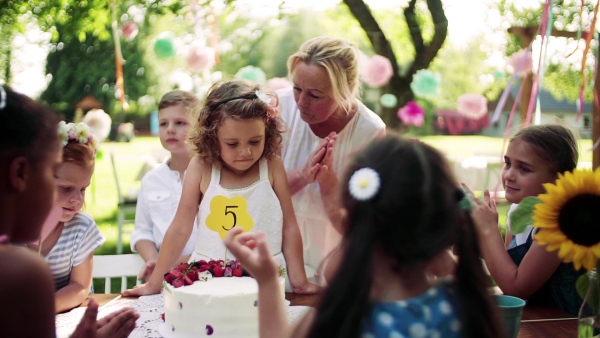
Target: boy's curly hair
x: 234, y: 99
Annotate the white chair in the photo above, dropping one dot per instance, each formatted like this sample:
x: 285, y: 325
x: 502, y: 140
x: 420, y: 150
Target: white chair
x: 111, y: 266
x: 127, y: 203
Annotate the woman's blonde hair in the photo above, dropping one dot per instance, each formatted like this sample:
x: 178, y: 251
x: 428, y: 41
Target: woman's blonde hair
x: 236, y: 99
x: 339, y: 58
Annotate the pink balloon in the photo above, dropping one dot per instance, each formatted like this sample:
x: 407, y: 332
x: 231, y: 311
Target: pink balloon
x: 377, y: 72
x: 51, y: 222
x: 199, y: 57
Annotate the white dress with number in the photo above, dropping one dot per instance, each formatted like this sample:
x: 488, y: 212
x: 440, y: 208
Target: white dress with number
x: 263, y: 207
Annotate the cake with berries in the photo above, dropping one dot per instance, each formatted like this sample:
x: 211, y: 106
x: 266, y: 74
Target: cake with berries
x: 214, y: 298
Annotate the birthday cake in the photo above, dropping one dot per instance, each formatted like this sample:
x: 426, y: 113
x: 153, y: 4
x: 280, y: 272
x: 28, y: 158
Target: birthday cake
x: 199, y: 304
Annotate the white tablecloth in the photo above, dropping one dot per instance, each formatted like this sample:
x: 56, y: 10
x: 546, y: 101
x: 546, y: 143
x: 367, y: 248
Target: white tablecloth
x: 150, y: 309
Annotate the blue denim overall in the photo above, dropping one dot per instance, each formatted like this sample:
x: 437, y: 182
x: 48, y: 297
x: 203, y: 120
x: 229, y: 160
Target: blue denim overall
x: 558, y: 291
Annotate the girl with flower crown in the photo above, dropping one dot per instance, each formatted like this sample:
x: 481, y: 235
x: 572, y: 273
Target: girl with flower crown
x: 235, y: 180
x: 69, y: 240
x: 402, y: 210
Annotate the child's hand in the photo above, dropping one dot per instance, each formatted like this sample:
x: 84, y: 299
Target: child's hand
x: 87, y: 325
x: 260, y: 263
x: 147, y: 269
x: 485, y: 214
x: 141, y: 290
x: 118, y: 324
x: 306, y: 288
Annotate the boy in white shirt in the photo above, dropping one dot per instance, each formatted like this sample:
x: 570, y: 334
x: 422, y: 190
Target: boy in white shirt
x: 161, y: 187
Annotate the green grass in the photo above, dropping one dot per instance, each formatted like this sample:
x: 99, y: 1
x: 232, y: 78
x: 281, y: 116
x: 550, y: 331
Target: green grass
x: 101, y: 197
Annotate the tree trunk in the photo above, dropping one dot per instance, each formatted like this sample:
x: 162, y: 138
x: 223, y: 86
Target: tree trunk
x: 424, y: 52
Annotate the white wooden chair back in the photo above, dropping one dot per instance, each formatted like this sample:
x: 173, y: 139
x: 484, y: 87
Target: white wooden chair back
x: 110, y: 266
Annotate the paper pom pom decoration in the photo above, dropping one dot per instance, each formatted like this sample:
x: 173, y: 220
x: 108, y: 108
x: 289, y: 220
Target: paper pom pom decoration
x: 473, y: 106
x: 522, y: 62
x: 425, y: 83
x: 412, y: 114
x: 199, y: 57
x: 251, y: 73
x: 99, y: 123
x: 278, y: 83
x: 388, y: 100
x: 129, y: 30
x: 377, y: 71
x: 163, y: 46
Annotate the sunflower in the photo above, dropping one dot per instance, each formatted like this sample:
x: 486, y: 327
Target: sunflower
x: 568, y: 217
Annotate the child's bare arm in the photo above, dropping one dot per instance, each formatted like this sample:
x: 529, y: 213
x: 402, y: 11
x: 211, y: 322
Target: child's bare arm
x: 292, y: 240
x: 26, y: 287
x: 179, y: 231
x: 78, y: 288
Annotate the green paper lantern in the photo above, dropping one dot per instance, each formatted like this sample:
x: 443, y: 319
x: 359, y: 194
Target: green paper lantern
x: 388, y: 100
x: 251, y: 73
x: 163, y: 46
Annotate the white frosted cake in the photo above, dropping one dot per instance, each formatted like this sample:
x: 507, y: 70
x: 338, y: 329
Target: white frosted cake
x: 223, y: 307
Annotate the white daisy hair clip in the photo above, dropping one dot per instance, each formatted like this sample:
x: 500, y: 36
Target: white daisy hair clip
x: 364, y: 184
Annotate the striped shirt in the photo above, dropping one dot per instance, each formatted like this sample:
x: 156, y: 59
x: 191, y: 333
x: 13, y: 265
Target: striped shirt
x: 79, y: 238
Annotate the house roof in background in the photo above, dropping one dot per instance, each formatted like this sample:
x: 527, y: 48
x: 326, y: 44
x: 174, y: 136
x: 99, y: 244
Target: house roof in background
x: 548, y: 103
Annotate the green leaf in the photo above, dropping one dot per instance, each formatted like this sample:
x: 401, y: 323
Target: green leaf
x: 582, y: 285
x: 522, y: 216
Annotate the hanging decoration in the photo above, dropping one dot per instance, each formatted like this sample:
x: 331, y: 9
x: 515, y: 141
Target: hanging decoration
x: 426, y: 83
x: 99, y: 122
x: 522, y: 62
x: 388, y: 100
x: 119, y: 60
x: 129, y: 30
x: 251, y: 73
x: 412, y: 113
x: 199, y: 57
x: 278, y: 83
x: 163, y: 46
x: 377, y: 71
x: 473, y: 106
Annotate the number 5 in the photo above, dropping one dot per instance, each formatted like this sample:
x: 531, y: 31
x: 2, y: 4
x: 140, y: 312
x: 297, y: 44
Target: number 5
x: 227, y: 211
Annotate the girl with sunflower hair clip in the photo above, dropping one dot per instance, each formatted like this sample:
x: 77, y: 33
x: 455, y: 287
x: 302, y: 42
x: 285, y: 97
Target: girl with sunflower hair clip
x: 536, y: 156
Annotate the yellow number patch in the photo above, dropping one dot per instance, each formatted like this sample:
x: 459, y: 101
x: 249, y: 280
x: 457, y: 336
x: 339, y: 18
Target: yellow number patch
x: 227, y: 213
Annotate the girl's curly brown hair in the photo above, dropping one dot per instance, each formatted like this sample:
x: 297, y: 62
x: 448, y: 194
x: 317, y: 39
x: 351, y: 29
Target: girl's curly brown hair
x: 235, y: 99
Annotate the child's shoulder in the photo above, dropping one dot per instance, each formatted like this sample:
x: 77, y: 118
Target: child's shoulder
x: 82, y: 218
x: 156, y: 172
x: 23, y: 270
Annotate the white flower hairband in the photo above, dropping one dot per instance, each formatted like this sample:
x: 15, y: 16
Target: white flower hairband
x: 272, y: 111
x: 80, y: 132
x: 364, y: 184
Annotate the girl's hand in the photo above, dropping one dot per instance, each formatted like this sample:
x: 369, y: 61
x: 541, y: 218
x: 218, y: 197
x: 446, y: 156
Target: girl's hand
x: 118, y: 324
x: 141, y: 290
x: 147, y: 269
x: 259, y: 263
x: 485, y: 214
x: 306, y: 288
x: 87, y: 325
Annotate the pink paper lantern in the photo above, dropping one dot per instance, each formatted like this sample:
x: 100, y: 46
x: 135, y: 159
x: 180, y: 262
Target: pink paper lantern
x: 200, y: 57
x: 278, y: 83
x: 412, y: 113
x: 377, y: 71
x: 473, y: 106
x: 522, y: 62
x: 129, y: 30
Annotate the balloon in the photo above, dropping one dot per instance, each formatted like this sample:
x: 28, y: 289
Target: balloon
x: 425, y: 83
x: 473, y: 106
x: 199, y: 57
x: 129, y: 30
x: 412, y: 114
x: 388, y: 100
x: 51, y: 222
x: 278, y: 83
x: 163, y: 46
x: 377, y: 72
x: 251, y: 73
